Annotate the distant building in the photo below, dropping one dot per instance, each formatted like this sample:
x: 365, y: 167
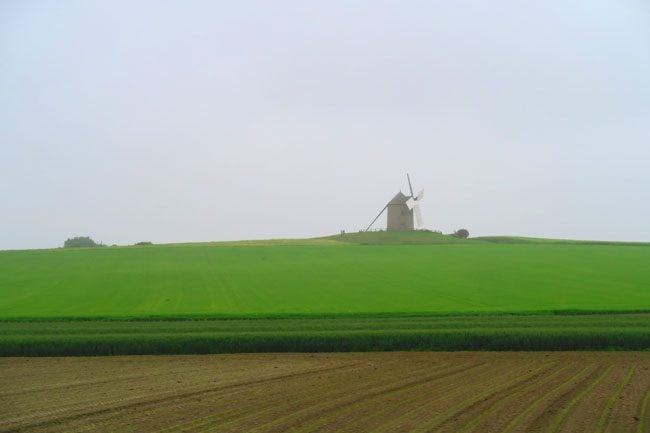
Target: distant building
x: 403, y: 211
x: 400, y: 217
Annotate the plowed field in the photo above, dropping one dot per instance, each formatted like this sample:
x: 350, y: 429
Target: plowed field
x: 350, y: 392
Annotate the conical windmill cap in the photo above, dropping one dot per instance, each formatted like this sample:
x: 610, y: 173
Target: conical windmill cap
x: 399, y: 199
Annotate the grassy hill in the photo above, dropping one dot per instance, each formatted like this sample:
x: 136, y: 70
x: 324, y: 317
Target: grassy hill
x: 417, y: 272
x: 359, y: 291
x: 418, y: 237
x: 527, y: 240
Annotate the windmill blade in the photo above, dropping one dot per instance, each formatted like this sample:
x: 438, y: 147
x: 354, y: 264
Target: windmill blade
x: 410, y: 203
x: 420, y: 195
x: 418, y: 216
x: 410, y: 187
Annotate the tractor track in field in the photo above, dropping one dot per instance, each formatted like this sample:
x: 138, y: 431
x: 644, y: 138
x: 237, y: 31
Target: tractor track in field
x: 346, y: 392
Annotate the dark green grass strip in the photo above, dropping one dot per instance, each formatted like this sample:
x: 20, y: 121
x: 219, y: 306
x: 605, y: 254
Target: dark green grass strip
x: 531, y: 333
x: 289, y: 316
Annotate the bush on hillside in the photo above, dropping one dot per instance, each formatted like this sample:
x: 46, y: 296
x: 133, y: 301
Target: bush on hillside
x: 462, y: 234
x: 80, y: 242
x: 143, y: 243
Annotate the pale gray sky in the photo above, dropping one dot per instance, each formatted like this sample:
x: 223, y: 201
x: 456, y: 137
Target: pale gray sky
x: 192, y: 120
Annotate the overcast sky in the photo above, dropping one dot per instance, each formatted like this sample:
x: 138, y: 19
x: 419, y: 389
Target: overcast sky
x: 172, y: 121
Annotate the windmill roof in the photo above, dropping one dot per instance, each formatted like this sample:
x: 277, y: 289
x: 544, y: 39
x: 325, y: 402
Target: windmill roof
x: 399, y: 199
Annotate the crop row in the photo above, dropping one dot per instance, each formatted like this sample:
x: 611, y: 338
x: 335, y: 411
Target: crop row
x: 605, y: 332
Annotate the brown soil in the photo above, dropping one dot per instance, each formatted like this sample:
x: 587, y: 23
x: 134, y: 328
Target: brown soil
x: 343, y: 392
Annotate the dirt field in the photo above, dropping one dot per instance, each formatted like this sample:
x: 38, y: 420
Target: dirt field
x: 355, y: 392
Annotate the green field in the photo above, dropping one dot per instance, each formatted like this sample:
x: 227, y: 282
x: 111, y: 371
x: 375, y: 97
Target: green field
x: 337, y: 278
x: 381, y: 278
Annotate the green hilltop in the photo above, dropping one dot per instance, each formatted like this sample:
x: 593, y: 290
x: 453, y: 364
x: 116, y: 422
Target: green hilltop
x: 415, y: 237
x: 403, y: 273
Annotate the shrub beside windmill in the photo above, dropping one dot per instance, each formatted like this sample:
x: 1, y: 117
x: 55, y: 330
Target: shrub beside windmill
x: 403, y: 212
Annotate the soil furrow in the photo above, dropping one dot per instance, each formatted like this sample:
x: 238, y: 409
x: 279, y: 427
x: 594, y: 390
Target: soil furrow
x: 500, y: 403
x: 604, y: 416
x: 557, y: 422
x: 213, y: 410
x: 470, y: 386
x: 57, y: 419
x: 296, y: 419
x: 465, y: 392
x: 556, y: 409
x: 271, y: 407
x: 440, y: 421
x: 339, y: 418
x: 367, y: 415
x: 643, y: 421
x: 516, y: 422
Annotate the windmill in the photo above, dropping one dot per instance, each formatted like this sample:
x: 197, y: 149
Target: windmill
x: 403, y: 211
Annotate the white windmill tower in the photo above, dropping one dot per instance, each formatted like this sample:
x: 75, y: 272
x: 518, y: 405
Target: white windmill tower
x: 403, y: 211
